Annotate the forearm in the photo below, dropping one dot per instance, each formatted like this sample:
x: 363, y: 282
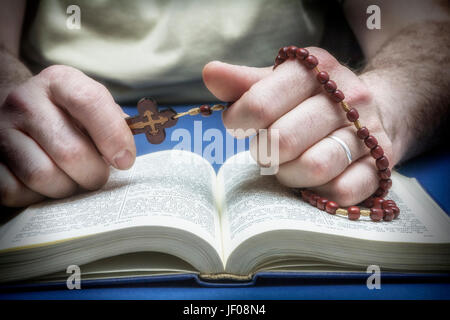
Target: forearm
x: 409, y: 79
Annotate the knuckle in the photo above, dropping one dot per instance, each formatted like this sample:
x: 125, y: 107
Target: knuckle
x: 258, y: 107
x: 344, y: 192
x: 56, y: 72
x: 38, y: 176
x: 15, y: 103
x: 287, y: 143
x: 326, y: 59
x: 359, y: 94
x: 318, y: 167
x: 86, y: 95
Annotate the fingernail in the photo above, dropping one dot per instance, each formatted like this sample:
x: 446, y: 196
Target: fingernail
x: 123, y: 160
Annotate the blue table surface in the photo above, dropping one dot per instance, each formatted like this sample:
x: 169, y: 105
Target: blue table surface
x: 432, y: 170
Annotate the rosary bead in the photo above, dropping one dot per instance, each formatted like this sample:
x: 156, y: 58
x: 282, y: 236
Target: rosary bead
x: 388, y: 203
x: 378, y: 203
x: 278, y: 60
x: 371, y: 142
x: 313, y: 200
x: 302, y: 53
x: 380, y: 193
x: 337, y: 96
x: 291, y: 51
x: 384, y: 174
x: 385, y: 184
x: 331, y: 207
x: 322, y: 77
x: 352, y: 115
x: 382, y: 163
x: 362, y: 133
x: 368, y: 203
x: 283, y: 53
x: 305, y: 195
x: 311, y: 62
x: 376, y: 214
x: 388, y: 215
x: 330, y: 86
x: 396, y: 211
x: 353, y: 213
x: 205, y: 110
x: 377, y: 152
x: 321, y: 203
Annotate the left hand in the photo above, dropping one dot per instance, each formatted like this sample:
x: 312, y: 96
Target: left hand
x: 291, y: 100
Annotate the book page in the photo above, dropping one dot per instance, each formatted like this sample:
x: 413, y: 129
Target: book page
x: 169, y: 188
x: 253, y: 203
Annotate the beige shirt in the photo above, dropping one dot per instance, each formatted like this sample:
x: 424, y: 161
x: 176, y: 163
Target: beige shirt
x: 158, y: 48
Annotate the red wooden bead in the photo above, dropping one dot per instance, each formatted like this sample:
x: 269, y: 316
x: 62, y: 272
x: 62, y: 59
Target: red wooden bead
x: 313, y: 199
x: 368, y: 203
x: 378, y: 203
x: 388, y: 215
x: 283, y: 53
x: 331, y: 207
x: 322, y: 77
x: 353, y: 213
x: 371, y: 142
x: 396, y: 211
x: 380, y: 192
x: 330, y: 86
x: 388, y: 204
x: 337, y: 96
x: 362, y: 133
x: 376, y: 214
x: 384, y: 174
x: 311, y: 62
x: 377, y: 152
x: 291, y: 51
x: 305, y: 195
x: 321, y: 203
x: 279, y: 60
x: 385, y: 184
x: 205, y: 110
x: 302, y: 53
x: 382, y: 163
x: 352, y: 115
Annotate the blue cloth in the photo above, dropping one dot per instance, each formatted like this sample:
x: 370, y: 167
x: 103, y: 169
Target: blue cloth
x: 432, y: 171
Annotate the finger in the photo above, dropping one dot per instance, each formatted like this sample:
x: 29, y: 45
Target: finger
x: 31, y: 165
x: 323, y: 161
x: 354, y: 185
x: 92, y: 105
x: 229, y: 82
x: 13, y: 193
x: 69, y: 148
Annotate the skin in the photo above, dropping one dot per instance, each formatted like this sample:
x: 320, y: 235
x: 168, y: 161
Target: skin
x: 49, y: 146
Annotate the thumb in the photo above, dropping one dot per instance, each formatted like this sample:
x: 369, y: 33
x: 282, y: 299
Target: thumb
x: 229, y: 82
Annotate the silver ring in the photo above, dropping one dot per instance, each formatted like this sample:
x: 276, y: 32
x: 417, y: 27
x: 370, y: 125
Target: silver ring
x: 344, y: 146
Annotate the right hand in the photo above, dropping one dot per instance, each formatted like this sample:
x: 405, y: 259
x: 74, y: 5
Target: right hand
x: 59, y: 131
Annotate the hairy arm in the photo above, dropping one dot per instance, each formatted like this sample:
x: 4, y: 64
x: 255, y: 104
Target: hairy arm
x: 408, y: 59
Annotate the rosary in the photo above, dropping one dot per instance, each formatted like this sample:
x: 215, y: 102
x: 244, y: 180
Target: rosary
x: 152, y: 122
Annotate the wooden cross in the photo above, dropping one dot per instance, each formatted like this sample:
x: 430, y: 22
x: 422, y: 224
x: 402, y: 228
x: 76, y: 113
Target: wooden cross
x: 151, y: 121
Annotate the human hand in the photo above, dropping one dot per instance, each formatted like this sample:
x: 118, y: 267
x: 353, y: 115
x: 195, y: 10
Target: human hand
x: 291, y: 100
x: 59, y: 131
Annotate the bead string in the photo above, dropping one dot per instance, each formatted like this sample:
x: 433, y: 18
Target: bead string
x: 380, y: 209
x: 205, y: 110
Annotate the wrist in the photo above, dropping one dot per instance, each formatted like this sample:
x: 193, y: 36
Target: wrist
x: 389, y: 100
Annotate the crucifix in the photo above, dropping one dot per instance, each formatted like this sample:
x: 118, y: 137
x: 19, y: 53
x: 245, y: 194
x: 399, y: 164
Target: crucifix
x: 153, y: 122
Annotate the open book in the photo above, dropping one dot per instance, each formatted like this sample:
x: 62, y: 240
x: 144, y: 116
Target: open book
x: 170, y: 213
